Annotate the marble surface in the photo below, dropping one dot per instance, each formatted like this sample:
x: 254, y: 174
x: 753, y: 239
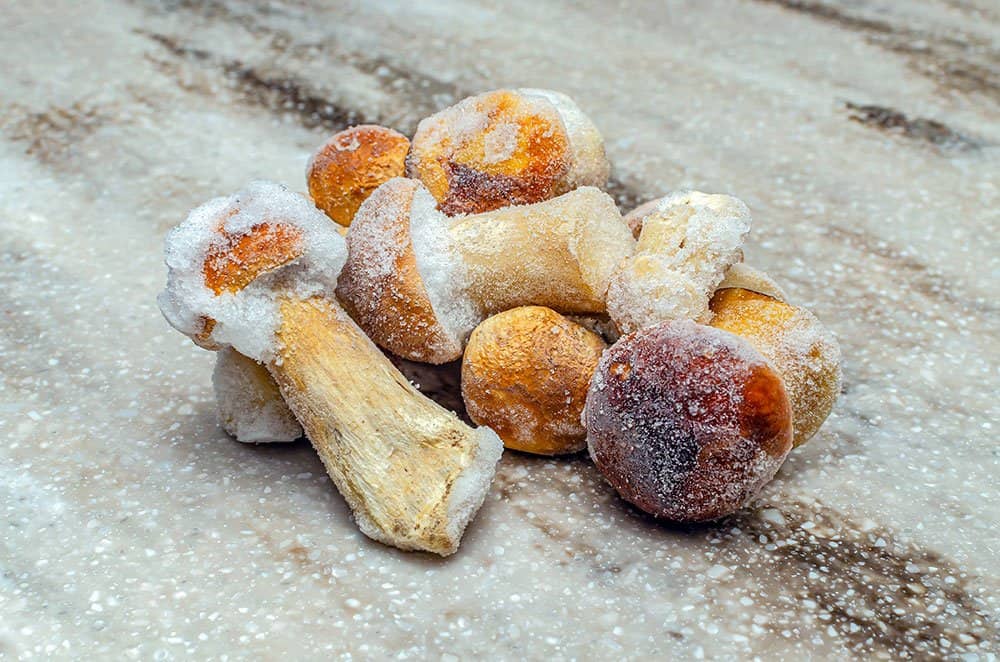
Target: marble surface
x: 863, y: 135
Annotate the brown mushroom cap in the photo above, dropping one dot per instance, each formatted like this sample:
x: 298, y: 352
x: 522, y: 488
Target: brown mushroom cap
x: 489, y: 151
x: 351, y: 164
x: 796, y: 344
x: 380, y: 286
x: 744, y: 276
x: 525, y: 374
x: 686, y: 421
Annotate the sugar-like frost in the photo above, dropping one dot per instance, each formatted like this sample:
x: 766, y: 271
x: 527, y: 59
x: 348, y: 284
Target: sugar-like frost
x: 247, y: 318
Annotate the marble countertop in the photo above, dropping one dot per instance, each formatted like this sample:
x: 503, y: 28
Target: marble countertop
x: 864, y: 137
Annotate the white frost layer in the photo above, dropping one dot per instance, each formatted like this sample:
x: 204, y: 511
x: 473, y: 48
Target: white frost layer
x: 468, y: 119
x: 248, y: 319
x: 500, y: 143
x: 590, y: 165
x: 441, y: 267
x: 470, y: 488
x: 711, y: 229
x: 251, y: 408
x: 687, y: 244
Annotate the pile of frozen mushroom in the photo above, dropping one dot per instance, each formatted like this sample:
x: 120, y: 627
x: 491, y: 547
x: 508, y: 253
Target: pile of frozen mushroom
x: 645, y: 339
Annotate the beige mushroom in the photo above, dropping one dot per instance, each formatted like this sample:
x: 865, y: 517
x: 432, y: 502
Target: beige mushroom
x: 257, y: 271
x: 418, y: 281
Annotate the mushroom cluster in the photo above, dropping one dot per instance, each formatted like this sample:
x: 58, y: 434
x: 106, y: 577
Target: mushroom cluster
x: 488, y: 238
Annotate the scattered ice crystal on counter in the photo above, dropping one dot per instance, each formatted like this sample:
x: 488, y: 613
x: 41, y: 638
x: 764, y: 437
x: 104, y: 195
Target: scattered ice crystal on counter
x: 882, y: 236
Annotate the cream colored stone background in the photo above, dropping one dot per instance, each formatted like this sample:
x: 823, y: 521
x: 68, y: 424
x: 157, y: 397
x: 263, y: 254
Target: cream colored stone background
x: 131, y: 527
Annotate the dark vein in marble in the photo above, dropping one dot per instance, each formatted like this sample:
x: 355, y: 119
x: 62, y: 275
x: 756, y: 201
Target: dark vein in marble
x: 917, y: 128
x: 904, y: 600
x: 876, y: 593
x: 913, y: 274
x: 972, y: 9
x: 956, y: 63
x: 286, y: 95
x: 283, y: 95
x: 51, y: 133
x: 415, y: 94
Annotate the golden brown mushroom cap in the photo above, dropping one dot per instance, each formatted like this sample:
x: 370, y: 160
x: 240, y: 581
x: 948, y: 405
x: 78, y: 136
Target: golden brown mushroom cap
x: 380, y: 286
x: 526, y: 373
x: 506, y: 147
x: 351, y: 164
x: 796, y: 344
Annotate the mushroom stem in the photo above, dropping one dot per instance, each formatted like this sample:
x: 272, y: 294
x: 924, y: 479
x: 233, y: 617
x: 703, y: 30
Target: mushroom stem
x: 411, y: 471
x: 256, y: 272
x: 560, y: 253
x: 418, y: 282
x: 250, y: 407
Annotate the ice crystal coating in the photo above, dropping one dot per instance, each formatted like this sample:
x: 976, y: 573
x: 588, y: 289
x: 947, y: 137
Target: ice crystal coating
x: 506, y: 147
x: 687, y: 422
x: 233, y: 258
x: 688, y: 242
x: 250, y: 406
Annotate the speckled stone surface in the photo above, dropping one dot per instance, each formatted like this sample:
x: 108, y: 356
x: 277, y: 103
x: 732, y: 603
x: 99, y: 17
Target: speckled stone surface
x: 864, y: 137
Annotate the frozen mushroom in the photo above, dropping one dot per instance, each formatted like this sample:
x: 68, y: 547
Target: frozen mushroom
x: 686, y: 421
x: 525, y: 374
x: 506, y: 147
x: 257, y: 272
x: 418, y: 281
x: 687, y: 243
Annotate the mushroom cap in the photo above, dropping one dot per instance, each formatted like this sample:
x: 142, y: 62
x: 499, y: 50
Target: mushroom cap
x: 351, y: 164
x: 232, y: 258
x: 382, y: 285
x: 506, y: 147
x: 525, y: 374
x: 686, y: 421
x: 589, y: 166
x: 797, y: 345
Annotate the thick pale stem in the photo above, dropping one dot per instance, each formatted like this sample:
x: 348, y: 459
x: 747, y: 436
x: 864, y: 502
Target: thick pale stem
x: 250, y: 406
x: 559, y: 253
x: 411, y: 471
